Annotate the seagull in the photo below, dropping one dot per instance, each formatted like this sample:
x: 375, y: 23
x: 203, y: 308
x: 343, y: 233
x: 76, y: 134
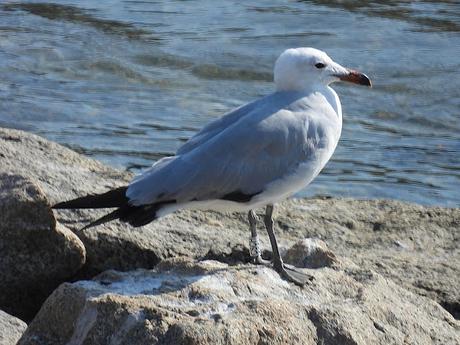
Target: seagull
x: 253, y: 156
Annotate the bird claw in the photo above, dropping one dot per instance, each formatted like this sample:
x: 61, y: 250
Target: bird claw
x: 293, y: 274
x: 287, y: 272
x: 257, y: 260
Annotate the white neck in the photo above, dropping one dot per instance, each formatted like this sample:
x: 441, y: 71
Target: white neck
x: 334, y: 101
x: 328, y: 92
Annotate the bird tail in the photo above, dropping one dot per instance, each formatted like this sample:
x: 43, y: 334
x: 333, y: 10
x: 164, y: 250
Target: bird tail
x: 134, y: 215
x: 112, y: 198
x: 104, y: 219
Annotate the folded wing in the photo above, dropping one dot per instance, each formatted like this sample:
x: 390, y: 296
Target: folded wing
x: 243, y: 158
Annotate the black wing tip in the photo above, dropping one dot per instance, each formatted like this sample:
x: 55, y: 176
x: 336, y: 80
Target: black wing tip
x: 73, y: 204
x: 136, y: 216
x: 61, y: 205
x: 238, y: 196
x: 104, y: 219
x: 110, y: 199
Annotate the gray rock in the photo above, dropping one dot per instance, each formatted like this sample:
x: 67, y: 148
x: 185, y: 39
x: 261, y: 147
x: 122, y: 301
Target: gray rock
x: 416, y: 246
x: 186, y: 302
x: 36, y: 254
x: 11, y: 329
x: 428, y: 263
x: 310, y: 253
x: 63, y: 174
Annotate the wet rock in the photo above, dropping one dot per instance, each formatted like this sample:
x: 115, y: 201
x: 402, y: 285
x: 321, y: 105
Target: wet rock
x: 11, y: 329
x: 187, y: 302
x: 310, y: 253
x: 36, y: 254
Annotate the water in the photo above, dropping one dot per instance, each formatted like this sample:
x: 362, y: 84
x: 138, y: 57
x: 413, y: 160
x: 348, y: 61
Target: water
x: 127, y: 82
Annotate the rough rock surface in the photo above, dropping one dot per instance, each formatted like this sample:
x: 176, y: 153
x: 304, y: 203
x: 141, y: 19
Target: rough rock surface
x: 63, y: 174
x: 186, y: 302
x: 310, y: 253
x: 36, y: 254
x: 416, y: 246
x: 11, y: 329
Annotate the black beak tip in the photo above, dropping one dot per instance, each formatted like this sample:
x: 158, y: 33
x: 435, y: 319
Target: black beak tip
x: 364, y: 80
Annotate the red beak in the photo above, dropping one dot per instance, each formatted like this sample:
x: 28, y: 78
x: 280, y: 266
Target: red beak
x: 356, y: 78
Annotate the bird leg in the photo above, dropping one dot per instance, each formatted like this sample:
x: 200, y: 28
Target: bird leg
x: 287, y: 272
x: 254, y: 243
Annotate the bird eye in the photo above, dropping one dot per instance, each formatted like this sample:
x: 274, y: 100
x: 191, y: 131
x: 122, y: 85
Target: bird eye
x: 320, y: 65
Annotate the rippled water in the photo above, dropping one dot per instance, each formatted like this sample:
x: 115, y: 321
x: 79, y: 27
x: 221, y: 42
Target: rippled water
x: 127, y: 82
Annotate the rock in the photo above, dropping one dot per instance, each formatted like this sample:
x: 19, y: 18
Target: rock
x: 36, y: 254
x: 416, y: 246
x: 63, y: 174
x: 186, y: 302
x: 310, y: 253
x: 11, y: 329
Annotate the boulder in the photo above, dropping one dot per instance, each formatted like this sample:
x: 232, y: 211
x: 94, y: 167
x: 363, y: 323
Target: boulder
x: 63, y: 174
x: 310, y: 253
x: 416, y: 246
x: 36, y: 253
x: 11, y: 329
x: 209, y: 302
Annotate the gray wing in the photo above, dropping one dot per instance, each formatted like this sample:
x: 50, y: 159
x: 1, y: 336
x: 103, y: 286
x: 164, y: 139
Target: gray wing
x: 245, y: 157
x: 215, y: 127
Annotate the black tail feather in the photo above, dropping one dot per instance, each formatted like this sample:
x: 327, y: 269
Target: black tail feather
x: 141, y: 215
x: 104, y: 219
x: 134, y: 215
x: 112, y: 198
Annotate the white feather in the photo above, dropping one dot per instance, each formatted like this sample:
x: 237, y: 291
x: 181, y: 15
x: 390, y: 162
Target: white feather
x: 272, y: 147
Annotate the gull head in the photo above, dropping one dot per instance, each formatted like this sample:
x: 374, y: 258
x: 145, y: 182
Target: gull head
x: 298, y: 69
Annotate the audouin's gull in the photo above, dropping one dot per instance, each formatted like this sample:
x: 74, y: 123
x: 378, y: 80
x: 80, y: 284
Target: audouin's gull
x: 253, y: 156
